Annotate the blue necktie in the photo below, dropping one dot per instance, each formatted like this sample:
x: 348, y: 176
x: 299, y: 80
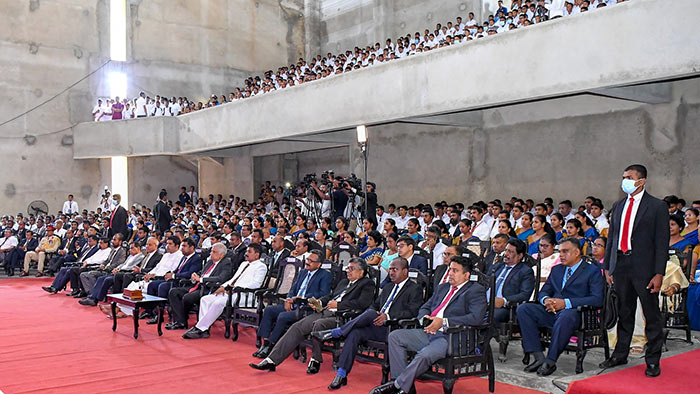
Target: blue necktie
x: 569, y: 272
x: 304, y: 284
x: 501, y: 279
x: 388, y: 302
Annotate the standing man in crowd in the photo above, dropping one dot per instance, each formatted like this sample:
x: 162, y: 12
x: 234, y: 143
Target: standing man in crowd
x: 635, y: 261
x: 70, y: 206
x: 161, y: 212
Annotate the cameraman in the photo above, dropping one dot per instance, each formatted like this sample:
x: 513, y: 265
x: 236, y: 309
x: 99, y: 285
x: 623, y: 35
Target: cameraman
x: 371, y: 214
x: 338, y: 196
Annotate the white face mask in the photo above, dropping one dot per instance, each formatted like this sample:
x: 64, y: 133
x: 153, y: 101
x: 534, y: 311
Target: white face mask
x: 628, y: 186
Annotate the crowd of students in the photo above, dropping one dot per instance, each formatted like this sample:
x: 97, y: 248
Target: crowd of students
x: 522, y: 13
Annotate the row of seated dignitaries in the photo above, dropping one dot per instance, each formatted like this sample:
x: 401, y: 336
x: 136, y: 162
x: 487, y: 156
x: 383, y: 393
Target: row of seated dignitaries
x: 180, y: 275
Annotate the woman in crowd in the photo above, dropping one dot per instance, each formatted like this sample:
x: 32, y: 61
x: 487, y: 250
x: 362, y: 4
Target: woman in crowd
x: 465, y: 232
x: 505, y: 227
x: 589, y: 230
x: 341, y: 225
x: 525, y: 227
x: 350, y: 238
x: 599, y: 249
x: 326, y: 224
x: 557, y: 222
x: 574, y: 229
x: 367, y: 226
x: 690, y: 232
x: 540, y: 227
x: 299, y: 225
x: 323, y: 240
x: 389, y: 227
x: 677, y: 241
x: 270, y: 225
x: 372, y: 251
x: 548, y: 255
x: 413, y: 227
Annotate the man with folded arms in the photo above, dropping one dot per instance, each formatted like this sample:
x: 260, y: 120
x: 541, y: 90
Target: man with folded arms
x: 400, y: 300
x: 356, y: 292
x: 218, y: 269
x: 459, y: 302
x: 49, y: 244
x: 312, y: 281
x: 150, y: 260
x: 250, y: 275
x: 571, y: 284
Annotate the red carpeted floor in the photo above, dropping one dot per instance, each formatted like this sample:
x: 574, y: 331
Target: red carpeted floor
x: 677, y: 376
x: 51, y: 344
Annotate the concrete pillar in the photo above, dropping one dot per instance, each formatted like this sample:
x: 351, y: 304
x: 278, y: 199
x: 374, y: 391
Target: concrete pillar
x: 212, y: 177
x: 312, y: 28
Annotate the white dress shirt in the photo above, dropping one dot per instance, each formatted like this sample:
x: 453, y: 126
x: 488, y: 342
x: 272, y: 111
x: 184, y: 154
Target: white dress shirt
x: 635, y: 208
x: 99, y: 257
x: 438, y: 258
x: 168, y: 263
x: 400, y: 286
x: 481, y: 230
x: 70, y: 207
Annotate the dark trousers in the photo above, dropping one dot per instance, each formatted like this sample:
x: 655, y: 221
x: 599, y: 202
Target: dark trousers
x: 122, y: 280
x: 630, y: 283
x: 298, y: 331
x: 501, y: 315
x: 61, y: 279
x: 159, y: 288
x: 356, y: 331
x: 533, y: 316
x: 57, y: 262
x: 102, y: 285
x: 275, y: 322
x: 181, y: 303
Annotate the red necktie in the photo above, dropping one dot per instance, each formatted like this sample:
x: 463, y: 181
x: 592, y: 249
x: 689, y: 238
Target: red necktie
x: 447, y: 275
x: 205, y: 274
x: 624, y: 245
x: 444, y: 302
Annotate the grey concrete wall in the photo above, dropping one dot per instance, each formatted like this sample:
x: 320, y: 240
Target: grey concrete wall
x: 147, y: 175
x: 318, y: 161
x: 191, y: 48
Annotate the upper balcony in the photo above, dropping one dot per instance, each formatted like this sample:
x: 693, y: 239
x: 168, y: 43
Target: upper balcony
x: 632, y: 43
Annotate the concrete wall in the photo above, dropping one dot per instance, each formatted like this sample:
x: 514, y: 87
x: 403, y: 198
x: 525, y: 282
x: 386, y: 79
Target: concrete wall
x: 191, y: 48
x: 147, y: 175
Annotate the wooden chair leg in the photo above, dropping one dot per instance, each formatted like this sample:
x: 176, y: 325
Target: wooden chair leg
x: 235, y: 332
x: 503, y: 348
x: 580, y: 355
x: 448, y: 385
x: 385, y: 373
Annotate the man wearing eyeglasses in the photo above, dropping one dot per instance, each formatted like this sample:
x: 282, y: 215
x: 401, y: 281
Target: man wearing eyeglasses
x: 311, y: 282
x: 406, y: 246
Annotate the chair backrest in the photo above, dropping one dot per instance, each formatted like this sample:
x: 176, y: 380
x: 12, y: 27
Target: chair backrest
x: 538, y: 275
x: 427, y: 255
x: 376, y: 276
x: 287, y: 273
x: 336, y: 270
x: 422, y: 280
x: 488, y: 282
x: 342, y: 253
x: 475, y: 247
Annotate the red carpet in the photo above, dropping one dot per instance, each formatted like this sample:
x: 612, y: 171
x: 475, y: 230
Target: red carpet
x: 51, y: 344
x: 677, y: 376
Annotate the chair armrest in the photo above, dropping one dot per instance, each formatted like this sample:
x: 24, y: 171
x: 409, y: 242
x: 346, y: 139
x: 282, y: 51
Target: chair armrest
x: 513, y: 304
x: 409, y: 323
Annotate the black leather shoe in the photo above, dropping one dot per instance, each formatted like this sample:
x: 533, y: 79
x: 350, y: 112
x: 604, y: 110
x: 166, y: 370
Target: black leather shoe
x: 386, y: 388
x: 314, y: 367
x: 88, y: 301
x: 196, y: 333
x: 73, y: 293
x: 49, y: 289
x: 534, y: 366
x: 323, y: 335
x: 264, y: 351
x: 337, y: 383
x: 653, y: 370
x: 154, y: 320
x: 546, y: 369
x: 81, y: 294
x: 144, y: 315
x: 263, y: 365
x: 175, y: 326
x: 612, y: 362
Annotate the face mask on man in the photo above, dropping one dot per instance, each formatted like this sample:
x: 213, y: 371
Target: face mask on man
x: 628, y: 186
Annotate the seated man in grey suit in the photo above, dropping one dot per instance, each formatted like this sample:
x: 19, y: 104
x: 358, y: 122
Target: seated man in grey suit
x: 459, y: 302
x: 515, y: 281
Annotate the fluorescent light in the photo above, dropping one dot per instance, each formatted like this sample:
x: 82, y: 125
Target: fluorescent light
x: 362, y: 134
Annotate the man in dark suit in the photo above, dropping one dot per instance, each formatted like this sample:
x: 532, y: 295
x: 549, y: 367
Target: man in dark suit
x: 278, y: 253
x: 571, y: 284
x: 161, y: 212
x: 118, y: 219
x: 459, y: 302
x: 151, y: 259
x: 356, y: 292
x: 635, y: 261
x: 190, y: 263
x: 495, y: 254
x: 182, y: 299
x: 312, y: 281
x: 400, y: 300
x: 67, y: 253
x: 442, y: 272
x: 515, y: 280
x: 407, y: 246
x: 28, y: 244
x: 237, y: 250
x: 63, y: 276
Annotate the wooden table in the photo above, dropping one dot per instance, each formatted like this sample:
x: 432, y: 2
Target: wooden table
x: 148, y: 301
